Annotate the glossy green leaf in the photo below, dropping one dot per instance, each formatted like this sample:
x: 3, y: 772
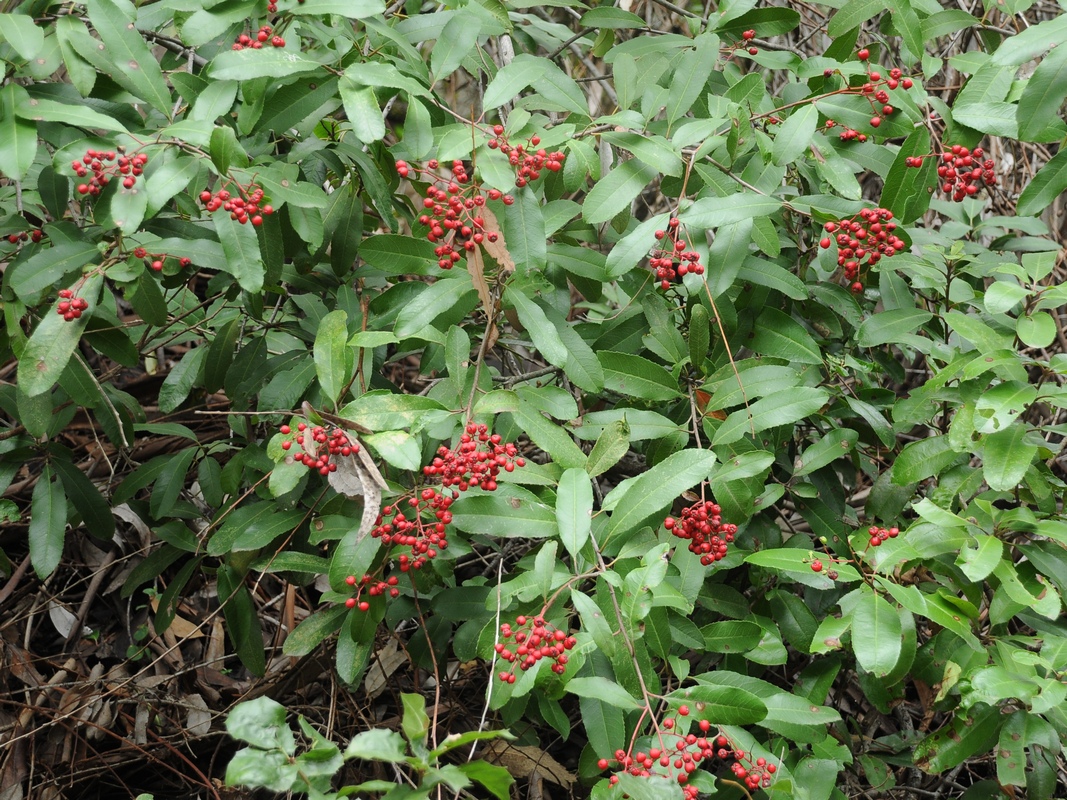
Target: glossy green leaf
x: 876, y: 633
x: 548, y: 80
x: 832, y: 446
x: 333, y: 357
x: 610, y: 447
x: 778, y: 408
x: 604, y: 690
x: 48, y: 266
x: 779, y: 335
x: 574, y: 509
x: 923, y: 459
x: 505, y: 514
x: 1048, y: 183
x: 1042, y: 100
x: 635, y: 376
x: 438, y: 298
x: 48, y: 523
x: 654, y: 490
x: 18, y: 139
x: 712, y: 212
x: 615, y: 191
x: 458, y: 38
x: 549, y: 437
x: 722, y: 705
x: 1006, y: 456
x: 130, y: 53
x: 906, y: 189
x: 1037, y: 329
x: 794, y: 135
x: 853, y: 14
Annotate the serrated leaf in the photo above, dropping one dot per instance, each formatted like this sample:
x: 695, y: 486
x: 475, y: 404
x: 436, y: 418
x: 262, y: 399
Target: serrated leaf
x: 130, y: 53
x: 722, y: 705
x: 905, y: 191
x: 43, y: 269
x: 240, y: 244
x: 1006, y: 456
x: 711, y: 212
x: 656, y: 489
x: 333, y: 357
x: 853, y: 14
x: 458, y: 38
x: 636, y: 376
x: 778, y: 334
x: 18, y: 139
x: 1048, y: 184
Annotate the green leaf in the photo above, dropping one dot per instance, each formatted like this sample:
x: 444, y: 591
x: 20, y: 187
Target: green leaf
x: 853, y: 14
x: 611, y: 445
x: 655, y: 490
x: 1036, y: 329
x: 414, y: 723
x: 605, y: 690
x: 524, y: 231
x: 130, y: 53
x: 48, y: 523
x: 350, y: 9
x: 994, y: 117
x: 310, y: 633
x: 333, y: 357
x: 384, y: 411
x: 18, y: 140
x: 377, y: 744
x: 722, y: 705
x: 438, y: 298
x: 269, y: 62
x: 1048, y: 184
x: 551, y: 83
x: 777, y: 334
x: 1006, y: 456
x: 655, y: 787
x: 1031, y: 42
x: 978, y: 562
x: 240, y: 244
x: 37, y: 109
x: 692, y: 70
x: 969, y: 732
x: 505, y: 512
x: 654, y: 151
x: 458, y: 38
x: 635, y: 376
x: 923, y: 459
x: 778, y: 408
x: 261, y: 723
x: 712, y: 212
x: 362, y: 110
x: 548, y: 436
x: 574, y: 509
x: 220, y: 355
x: 399, y: 448
x: 41, y: 271
x: 615, y: 191
x: 53, y: 343
x: 891, y: 326
x: 731, y: 636
x: 399, y: 255
x: 610, y: 17
x: 905, y: 191
x: 494, y: 778
x: 875, y: 633
x: 831, y: 447
x: 226, y: 151
x: 19, y: 31
x: 793, y: 137
x: 1042, y: 99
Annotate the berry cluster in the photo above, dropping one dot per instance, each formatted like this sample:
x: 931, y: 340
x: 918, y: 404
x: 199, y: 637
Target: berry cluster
x: 320, y: 446
x: 863, y: 240
x: 69, y: 306
x: 34, y: 235
x: 262, y: 37
x: 962, y: 170
x: 702, y: 525
x: 539, y: 640
x: 874, y: 89
x: 373, y: 589
x: 105, y: 165
x: 476, y: 461
x: 155, y: 260
x: 817, y: 566
x: 424, y: 537
x: 452, y: 209
x: 245, y: 207
x: 881, y: 535
x: 746, y: 37
x: 528, y: 165
x: 673, y: 261
x: 680, y: 754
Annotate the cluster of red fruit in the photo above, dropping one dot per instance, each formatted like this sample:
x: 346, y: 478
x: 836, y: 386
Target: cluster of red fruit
x: 678, y: 761
x: 70, y: 307
x: 702, y: 525
x: 674, y: 261
x: 425, y: 537
x: 320, y: 447
x: 155, y: 260
x: 747, y: 37
x: 817, y: 565
x: 261, y: 38
x: 453, y: 205
x: 245, y: 207
x: 373, y: 589
x: 847, y: 134
x: 476, y: 461
x: 540, y: 640
x: 862, y: 241
x: 881, y: 535
x: 528, y: 165
x: 104, y: 167
x: 961, y: 170
x: 878, y: 97
x: 35, y: 235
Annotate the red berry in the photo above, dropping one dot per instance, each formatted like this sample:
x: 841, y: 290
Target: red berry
x: 753, y: 51
x: 863, y: 54
x: 876, y: 121
x: 816, y: 566
x: 747, y: 35
x: 824, y: 242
